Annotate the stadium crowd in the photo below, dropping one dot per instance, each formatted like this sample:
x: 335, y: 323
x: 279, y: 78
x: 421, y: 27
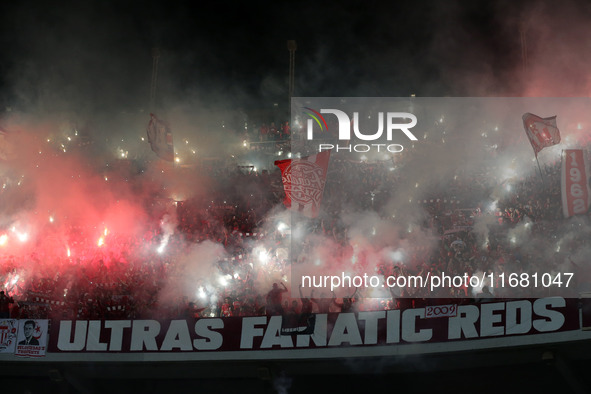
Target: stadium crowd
x: 472, y: 233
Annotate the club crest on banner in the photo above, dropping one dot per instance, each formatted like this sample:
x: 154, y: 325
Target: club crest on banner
x: 303, y: 182
x: 8, y: 330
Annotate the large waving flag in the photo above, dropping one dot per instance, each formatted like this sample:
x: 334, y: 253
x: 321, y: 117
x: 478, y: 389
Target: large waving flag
x: 160, y: 138
x: 303, y: 182
x: 542, y: 132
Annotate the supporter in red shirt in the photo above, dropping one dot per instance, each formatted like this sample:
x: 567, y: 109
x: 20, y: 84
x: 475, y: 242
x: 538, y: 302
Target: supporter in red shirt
x: 272, y: 132
x: 286, y: 130
x: 226, y: 310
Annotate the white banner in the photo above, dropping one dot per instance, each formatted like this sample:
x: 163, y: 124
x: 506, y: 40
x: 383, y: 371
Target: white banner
x: 8, y: 330
x: 32, y: 338
x: 575, y: 184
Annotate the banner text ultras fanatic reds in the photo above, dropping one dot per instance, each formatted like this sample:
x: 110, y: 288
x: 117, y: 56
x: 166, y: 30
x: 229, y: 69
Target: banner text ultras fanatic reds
x: 519, y: 317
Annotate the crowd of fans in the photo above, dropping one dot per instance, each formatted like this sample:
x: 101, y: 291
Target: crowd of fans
x: 468, y: 231
x: 272, y: 132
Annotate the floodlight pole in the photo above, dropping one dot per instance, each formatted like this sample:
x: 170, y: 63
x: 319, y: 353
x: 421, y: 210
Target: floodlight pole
x: 155, y: 59
x: 291, y: 47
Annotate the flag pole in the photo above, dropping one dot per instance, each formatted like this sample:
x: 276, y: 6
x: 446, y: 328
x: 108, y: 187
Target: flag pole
x: 539, y: 168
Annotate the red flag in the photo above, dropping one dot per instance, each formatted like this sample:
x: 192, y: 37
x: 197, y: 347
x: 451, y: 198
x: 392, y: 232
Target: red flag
x: 160, y: 138
x: 542, y: 132
x: 303, y: 182
x: 575, y: 186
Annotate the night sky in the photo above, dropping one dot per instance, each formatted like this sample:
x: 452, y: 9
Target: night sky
x: 96, y: 55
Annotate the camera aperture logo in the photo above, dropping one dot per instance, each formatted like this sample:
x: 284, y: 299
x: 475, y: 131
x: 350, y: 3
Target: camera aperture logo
x: 395, y: 122
x: 315, y: 116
